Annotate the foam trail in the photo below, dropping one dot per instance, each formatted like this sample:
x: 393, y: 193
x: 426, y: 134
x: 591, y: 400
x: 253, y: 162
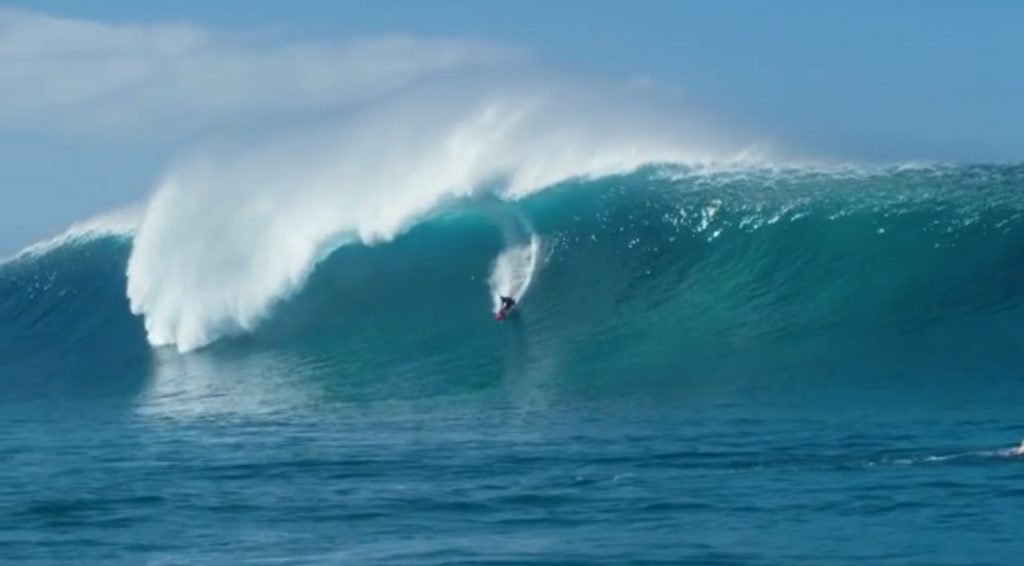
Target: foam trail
x: 513, y: 271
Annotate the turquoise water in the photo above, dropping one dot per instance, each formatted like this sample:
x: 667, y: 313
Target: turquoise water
x: 757, y: 367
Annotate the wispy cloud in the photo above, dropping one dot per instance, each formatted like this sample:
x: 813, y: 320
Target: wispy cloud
x: 90, y: 78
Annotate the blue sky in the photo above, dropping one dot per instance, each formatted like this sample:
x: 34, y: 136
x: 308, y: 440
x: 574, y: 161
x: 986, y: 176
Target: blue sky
x: 866, y: 80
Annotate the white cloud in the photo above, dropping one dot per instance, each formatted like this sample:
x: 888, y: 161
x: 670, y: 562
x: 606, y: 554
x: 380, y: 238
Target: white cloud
x: 150, y: 80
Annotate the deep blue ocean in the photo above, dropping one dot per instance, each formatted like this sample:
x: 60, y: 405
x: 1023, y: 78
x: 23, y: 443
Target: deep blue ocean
x: 763, y: 366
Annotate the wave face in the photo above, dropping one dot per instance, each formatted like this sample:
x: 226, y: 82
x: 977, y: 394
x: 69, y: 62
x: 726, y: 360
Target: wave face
x: 637, y: 274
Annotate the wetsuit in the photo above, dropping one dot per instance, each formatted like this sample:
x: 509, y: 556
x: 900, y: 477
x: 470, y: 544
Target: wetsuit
x: 506, y: 304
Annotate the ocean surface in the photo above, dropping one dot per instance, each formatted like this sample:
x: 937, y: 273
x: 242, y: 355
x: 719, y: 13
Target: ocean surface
x: 739, y: 366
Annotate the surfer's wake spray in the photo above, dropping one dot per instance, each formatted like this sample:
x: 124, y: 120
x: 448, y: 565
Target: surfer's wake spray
x: 513, y: 271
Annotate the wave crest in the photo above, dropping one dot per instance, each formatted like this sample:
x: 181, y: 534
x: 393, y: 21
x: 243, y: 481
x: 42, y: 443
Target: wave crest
x: 118, y: 223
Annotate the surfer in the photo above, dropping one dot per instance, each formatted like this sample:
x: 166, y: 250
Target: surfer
x: 1018, y: 451
x: 506, y: 306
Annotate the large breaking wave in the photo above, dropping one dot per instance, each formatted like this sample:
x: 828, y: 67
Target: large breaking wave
x: 649, y: 271
x: 377, y: 204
